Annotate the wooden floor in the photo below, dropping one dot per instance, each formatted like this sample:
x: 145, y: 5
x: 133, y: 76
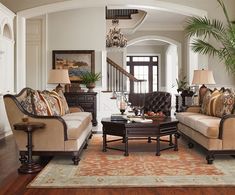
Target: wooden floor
x: 13, y: 183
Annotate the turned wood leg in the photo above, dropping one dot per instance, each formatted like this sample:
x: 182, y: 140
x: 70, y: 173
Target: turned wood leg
x: 85, y: 146
x: 171, y: 142
x: 190, y: 145
x: 149, y: 140
x: 104, y: 142
x: 23, y: 158
x: 177, y: 136
x: 126, y: 147
x: 123, y: 139
x: 76, y: 160
x: 210, y: 157
x: 158, y: 146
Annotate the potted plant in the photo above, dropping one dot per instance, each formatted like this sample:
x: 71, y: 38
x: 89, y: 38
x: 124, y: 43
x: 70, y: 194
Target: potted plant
x: 224, y: 34
x: 89, y: 79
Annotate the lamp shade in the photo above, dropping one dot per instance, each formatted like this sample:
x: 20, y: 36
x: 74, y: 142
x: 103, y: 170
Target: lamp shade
x: 203, y: 77
x: 58, y: 76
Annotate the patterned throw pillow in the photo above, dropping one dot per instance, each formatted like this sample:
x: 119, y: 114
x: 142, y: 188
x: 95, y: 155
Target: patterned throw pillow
x: 63, y: 101
x: 224, y: 104
x: 51, y: 102
x: 205, y: 102
x: 39, y: 106
x: 211, y: 109
x: 26, y: 102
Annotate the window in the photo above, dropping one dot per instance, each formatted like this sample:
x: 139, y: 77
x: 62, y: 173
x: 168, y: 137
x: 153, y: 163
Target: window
x: 143, y: 68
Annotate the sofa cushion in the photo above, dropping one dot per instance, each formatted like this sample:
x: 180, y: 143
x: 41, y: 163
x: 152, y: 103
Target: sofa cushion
x: 77, y: 123
x: 206, y: 125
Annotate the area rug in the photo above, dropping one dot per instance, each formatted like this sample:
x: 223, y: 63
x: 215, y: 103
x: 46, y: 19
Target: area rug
x: 186, y: 167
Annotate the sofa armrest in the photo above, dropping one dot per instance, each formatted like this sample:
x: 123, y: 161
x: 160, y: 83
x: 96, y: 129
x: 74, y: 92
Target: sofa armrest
x: 227, y: 131
x: 195, y: 109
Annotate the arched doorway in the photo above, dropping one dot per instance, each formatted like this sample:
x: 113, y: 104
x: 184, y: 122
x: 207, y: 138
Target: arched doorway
x: 172, y: 61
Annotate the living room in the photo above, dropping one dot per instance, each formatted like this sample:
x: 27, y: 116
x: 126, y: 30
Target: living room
x: 36, y: 29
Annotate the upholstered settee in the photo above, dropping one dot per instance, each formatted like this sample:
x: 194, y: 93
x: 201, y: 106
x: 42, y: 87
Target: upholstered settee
x: 211, y: 125
x: 65, y: 133
x: 154, y: 101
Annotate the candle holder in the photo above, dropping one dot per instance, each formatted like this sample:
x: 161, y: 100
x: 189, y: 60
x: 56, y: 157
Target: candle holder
x: 122, y: 102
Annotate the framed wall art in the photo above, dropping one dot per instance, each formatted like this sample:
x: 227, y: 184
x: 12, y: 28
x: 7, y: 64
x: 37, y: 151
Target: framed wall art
x: 76, y: 61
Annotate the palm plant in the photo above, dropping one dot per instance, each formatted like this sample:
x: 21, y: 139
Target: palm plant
x: 224, y: 34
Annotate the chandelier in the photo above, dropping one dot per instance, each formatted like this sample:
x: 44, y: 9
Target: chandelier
x: 115, y: 38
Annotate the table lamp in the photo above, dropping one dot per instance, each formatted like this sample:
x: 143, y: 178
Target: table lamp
x: 58, y: 76
x: 202, y: 77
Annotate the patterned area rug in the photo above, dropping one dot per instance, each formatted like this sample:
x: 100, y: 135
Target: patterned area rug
x: 186, y: 167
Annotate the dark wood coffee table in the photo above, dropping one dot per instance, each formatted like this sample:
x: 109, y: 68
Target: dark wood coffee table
x: 135, y: 130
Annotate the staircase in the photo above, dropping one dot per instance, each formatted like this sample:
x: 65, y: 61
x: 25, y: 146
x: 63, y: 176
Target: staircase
x: 117, y: 77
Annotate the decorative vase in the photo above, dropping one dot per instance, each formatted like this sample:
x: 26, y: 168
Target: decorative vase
x: 90, y: 87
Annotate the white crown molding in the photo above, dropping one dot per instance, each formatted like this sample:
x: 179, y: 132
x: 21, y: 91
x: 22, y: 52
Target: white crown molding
x: 138, y: 4
x: 6, y: 11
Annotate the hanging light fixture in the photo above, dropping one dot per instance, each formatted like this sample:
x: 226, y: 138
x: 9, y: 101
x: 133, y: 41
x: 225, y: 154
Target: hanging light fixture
x: 115, y: 38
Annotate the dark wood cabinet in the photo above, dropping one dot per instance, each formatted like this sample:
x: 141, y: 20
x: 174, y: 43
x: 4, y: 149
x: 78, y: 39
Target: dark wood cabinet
x: 87, y: 100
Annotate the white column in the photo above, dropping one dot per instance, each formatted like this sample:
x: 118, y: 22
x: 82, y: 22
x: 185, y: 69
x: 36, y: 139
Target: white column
x: 20, y: 53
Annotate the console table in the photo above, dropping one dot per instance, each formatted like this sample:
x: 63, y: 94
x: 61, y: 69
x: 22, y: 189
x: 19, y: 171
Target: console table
x: 87, y: 100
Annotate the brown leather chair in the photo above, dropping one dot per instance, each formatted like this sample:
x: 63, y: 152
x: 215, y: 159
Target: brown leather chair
x: 153, y: 101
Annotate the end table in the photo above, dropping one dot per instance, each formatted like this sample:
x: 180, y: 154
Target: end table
x: 29, y: 166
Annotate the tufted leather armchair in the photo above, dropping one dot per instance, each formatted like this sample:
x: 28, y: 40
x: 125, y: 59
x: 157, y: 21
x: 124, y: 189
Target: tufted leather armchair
x: 154, y: 101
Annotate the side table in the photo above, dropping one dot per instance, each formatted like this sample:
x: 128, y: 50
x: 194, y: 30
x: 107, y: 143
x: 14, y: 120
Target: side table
x: 29, y: 166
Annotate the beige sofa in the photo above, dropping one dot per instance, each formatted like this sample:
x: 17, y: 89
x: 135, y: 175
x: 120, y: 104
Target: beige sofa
x: 216, y: 135
x: 63, y: 134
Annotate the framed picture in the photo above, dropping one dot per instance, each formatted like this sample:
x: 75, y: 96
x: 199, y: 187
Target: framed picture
x: 76, y: 61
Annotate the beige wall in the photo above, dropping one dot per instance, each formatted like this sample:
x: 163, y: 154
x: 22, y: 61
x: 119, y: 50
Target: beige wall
x: 80, y: 29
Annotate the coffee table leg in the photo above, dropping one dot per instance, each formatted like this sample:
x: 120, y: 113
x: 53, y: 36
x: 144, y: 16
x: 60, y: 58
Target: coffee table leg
x: 149, y: 140
x: 158, y: 146
x: 176, y: 142
x: 171, y: 142
x: 126, y: 147
x: 104, y: 142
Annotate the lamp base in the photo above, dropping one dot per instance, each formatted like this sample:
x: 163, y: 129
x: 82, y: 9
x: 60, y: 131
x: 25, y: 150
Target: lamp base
x: 58, y: 88
x: 202, y: 92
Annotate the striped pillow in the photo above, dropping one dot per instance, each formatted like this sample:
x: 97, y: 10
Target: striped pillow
x: 205, y: 102
x: 63, y: 101
x: 211, y: 109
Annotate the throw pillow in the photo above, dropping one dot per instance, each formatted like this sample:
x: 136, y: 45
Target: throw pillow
x: 40, y: 108
x: 211, y: 109
x: 53, y: 107
x: 205, y: 102
x: 225, y: 103
x: 27, y: 103
x: 63, y: 101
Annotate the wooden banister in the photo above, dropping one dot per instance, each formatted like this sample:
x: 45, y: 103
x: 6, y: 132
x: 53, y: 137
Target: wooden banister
x: 117, y: 77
